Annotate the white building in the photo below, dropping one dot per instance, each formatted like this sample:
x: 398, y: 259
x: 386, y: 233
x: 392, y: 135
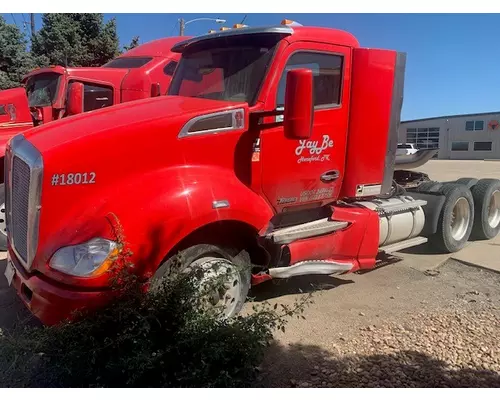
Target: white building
x: 465, y: 137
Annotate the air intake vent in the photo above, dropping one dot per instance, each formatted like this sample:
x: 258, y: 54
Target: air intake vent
x: 24, y: 170
x: 20, y: 204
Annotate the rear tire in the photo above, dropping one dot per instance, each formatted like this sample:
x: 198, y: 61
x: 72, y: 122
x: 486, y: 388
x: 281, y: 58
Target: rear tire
x: 456, y: 218
x: 486, y: 195
x: 3, y: 224
x: 204, y: 254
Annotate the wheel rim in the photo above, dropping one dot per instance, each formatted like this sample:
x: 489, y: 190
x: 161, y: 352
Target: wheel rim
x: 227, y: 296
x: 494, y: 209
x: 3, y: 223
x: 460, y: 218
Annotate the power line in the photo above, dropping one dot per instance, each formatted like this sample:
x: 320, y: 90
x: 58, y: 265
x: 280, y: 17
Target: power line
x: 173, y: 28
x: 12, y: 15
x: 25, y: 24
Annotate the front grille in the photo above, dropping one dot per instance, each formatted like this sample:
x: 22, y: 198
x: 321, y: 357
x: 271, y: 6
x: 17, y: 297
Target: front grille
x: 20, y: 205
x: 23, y: 173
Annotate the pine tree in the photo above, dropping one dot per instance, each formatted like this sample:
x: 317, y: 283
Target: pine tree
x: 15, y: 61
x: 133, y: 43
x: 77, y: 39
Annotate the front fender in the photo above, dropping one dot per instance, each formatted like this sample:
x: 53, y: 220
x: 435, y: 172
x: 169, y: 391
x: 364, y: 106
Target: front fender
x: 177, y: 202
x: 155, y: 212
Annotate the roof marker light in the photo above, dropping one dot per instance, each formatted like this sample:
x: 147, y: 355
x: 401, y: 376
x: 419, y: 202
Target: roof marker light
x: 290, y: 22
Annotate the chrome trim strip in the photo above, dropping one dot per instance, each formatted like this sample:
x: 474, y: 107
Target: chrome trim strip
x: 31, y: 156
x: 395, y: 118
x: 234, y: 124
x: 281, y: 29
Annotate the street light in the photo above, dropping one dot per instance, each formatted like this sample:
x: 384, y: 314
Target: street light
x: 182, y: 23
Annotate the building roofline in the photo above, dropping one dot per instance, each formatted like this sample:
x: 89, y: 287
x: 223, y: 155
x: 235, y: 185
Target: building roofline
x: 451, y: 116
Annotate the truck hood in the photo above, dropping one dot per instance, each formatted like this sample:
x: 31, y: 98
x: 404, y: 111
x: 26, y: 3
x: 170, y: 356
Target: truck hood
x: 169, y: 113
x: 116, y: 150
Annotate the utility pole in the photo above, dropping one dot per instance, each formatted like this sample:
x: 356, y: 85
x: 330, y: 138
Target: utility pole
x: 32, y: 18
x: 181, y: 27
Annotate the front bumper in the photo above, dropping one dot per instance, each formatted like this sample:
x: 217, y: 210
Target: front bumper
x: 52, y: 303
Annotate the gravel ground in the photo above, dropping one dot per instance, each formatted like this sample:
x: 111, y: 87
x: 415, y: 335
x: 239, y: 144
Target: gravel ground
x: 450, y: 341
x: 454, y: 350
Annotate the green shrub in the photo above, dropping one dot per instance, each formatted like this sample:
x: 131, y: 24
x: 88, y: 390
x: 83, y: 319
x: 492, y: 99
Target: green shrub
x: 161, y: 339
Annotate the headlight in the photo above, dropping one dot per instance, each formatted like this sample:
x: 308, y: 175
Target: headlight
x: 86, y: 259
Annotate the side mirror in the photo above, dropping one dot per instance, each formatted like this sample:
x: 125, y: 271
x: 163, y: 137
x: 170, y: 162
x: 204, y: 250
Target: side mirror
x: 75, y: 98
x: 299, y: 107
x: 155, y: 89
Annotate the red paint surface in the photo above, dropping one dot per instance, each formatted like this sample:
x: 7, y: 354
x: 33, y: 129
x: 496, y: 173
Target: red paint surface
x: 343, y: 245
x: 369, y: 118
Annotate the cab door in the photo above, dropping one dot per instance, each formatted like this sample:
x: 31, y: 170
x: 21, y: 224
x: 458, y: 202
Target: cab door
x: 298, y: 173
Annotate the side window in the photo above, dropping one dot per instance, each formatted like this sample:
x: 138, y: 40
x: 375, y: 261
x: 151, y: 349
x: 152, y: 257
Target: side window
x: 96, y: 96
x: 327, y: 77
x: 170, y: 68
x: 2, y: 110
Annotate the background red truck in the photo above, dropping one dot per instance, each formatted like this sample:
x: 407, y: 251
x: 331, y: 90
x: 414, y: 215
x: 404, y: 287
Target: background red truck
x: 56, y: 92
x: 273, y: 152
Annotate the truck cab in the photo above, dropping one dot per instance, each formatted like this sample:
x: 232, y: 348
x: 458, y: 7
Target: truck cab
x: 273, y: 152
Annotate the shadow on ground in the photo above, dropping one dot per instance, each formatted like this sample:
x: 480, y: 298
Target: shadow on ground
x: 297, y: 364
x: 425, y: 248
x: 13, y: 313
x: 296, y: 285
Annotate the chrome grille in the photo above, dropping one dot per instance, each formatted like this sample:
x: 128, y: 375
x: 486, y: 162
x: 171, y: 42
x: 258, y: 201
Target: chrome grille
x: 20, y: 204
x: 24, y: 170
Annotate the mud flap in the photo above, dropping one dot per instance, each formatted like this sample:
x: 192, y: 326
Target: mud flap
x: 432, y: 210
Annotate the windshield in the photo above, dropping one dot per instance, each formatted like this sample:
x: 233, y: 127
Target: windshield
x: 224, y: 72
x: 128, y: 62
x: 42, y: 89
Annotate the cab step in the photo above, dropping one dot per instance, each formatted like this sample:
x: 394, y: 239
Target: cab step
x: 303, y: 231
x: 311, y: 267
x: 391, y: 248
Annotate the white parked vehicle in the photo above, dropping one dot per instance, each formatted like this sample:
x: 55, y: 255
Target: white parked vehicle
x: 406, y: 149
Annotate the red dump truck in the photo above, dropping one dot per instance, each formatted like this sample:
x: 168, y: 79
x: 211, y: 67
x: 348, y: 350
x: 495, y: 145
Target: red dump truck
x: 283, y: 165
x: 53, y: 93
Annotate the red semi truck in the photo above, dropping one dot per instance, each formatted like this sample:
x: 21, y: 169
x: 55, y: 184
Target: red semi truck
x: 56, y: 92
x: 284, y: 165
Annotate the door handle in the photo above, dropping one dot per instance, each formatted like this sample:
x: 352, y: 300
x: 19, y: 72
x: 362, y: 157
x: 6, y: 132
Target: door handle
x: 329, y: 176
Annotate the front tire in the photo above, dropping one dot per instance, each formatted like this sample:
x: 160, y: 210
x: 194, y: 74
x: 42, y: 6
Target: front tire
x: 3, y: 221
x: 219, y: 259
x: 456, y: 218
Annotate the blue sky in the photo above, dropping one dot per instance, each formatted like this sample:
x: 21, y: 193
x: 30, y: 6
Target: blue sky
x: 453, y: 61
